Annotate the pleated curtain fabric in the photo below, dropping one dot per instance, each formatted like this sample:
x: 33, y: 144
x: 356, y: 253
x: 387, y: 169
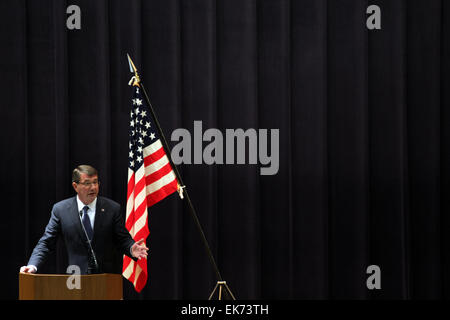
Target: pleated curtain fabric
x: 364, y: 160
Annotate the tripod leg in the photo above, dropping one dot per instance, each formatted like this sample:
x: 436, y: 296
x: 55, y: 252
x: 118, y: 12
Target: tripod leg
x: 214, y: 291
x: 222, y: 285
x: 220, y: 292
x: 229, y: 291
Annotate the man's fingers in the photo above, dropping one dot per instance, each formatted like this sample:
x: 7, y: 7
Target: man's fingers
x: 26, y: 269
x: 142, y: 244
x: 142, y: 255
x: 139, y: 249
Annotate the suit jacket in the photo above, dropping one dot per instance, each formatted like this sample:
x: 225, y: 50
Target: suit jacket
x: 109, y: 233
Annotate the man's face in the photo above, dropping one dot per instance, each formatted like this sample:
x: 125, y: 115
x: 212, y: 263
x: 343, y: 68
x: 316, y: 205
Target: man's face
x: 87, y: 188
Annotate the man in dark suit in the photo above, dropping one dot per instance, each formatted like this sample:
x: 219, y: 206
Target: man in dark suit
x: 86, y: 216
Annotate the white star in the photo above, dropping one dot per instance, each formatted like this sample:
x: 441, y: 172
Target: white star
x: 131, y: 163
x: 139, y: 159
x: 132, y: 123
x: 131, y: 154
x: 134, y: 101
x: 152, y: 136
x: 144, y: 133
x: 139, y: 102
x: 143, y: 113
x: 137, y: 111
x: 147, y: 125
x: 139, y: 149
x: 140, y: 140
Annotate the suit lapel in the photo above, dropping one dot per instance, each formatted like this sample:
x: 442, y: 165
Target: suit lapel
x: 99, y: 217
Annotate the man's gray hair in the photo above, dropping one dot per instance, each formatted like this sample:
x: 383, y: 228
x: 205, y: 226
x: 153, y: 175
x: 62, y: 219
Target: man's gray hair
x: 86, y: 169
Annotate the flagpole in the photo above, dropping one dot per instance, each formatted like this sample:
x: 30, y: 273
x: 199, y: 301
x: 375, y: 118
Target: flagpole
x: 183, y: 190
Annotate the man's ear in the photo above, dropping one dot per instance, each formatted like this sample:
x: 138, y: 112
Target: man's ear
x: 74, y: 185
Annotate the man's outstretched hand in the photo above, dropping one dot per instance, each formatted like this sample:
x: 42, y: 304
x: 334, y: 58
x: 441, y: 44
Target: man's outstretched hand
x: 139, y: 249
x: 28, y: 269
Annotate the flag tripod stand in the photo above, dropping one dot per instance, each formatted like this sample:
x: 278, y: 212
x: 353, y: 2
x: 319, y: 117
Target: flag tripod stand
x: 221, y: 285
x: 220, y: 288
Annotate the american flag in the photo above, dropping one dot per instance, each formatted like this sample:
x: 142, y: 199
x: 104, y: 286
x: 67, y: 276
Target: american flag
x: 150, y: 179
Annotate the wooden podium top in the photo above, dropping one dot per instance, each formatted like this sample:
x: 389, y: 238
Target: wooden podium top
x: 104, y: 286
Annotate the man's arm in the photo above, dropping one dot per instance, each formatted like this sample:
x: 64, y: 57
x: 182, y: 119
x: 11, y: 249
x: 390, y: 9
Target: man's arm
x: 45, y: 245
x: 124, y: 241
x: 122, y: 237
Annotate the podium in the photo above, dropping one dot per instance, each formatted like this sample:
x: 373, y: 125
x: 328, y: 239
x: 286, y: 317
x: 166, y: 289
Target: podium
x: 106, y: 286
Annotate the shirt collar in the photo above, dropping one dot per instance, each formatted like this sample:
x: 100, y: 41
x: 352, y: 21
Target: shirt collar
x: 91, y: 205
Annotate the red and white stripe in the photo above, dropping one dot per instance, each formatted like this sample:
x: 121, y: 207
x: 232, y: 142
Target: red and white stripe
x: 153, y: 181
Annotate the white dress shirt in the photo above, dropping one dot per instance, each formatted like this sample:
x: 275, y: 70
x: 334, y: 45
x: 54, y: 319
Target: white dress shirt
x: 91, y: 211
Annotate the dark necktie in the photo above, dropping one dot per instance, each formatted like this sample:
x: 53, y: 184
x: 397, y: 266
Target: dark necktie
x: 87, y: 222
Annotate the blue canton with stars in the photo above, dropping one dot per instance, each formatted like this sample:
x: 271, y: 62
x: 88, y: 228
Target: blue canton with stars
x: 142, y: 131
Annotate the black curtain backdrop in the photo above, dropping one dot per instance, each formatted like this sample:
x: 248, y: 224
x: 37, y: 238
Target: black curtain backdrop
x: 364, y: 174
